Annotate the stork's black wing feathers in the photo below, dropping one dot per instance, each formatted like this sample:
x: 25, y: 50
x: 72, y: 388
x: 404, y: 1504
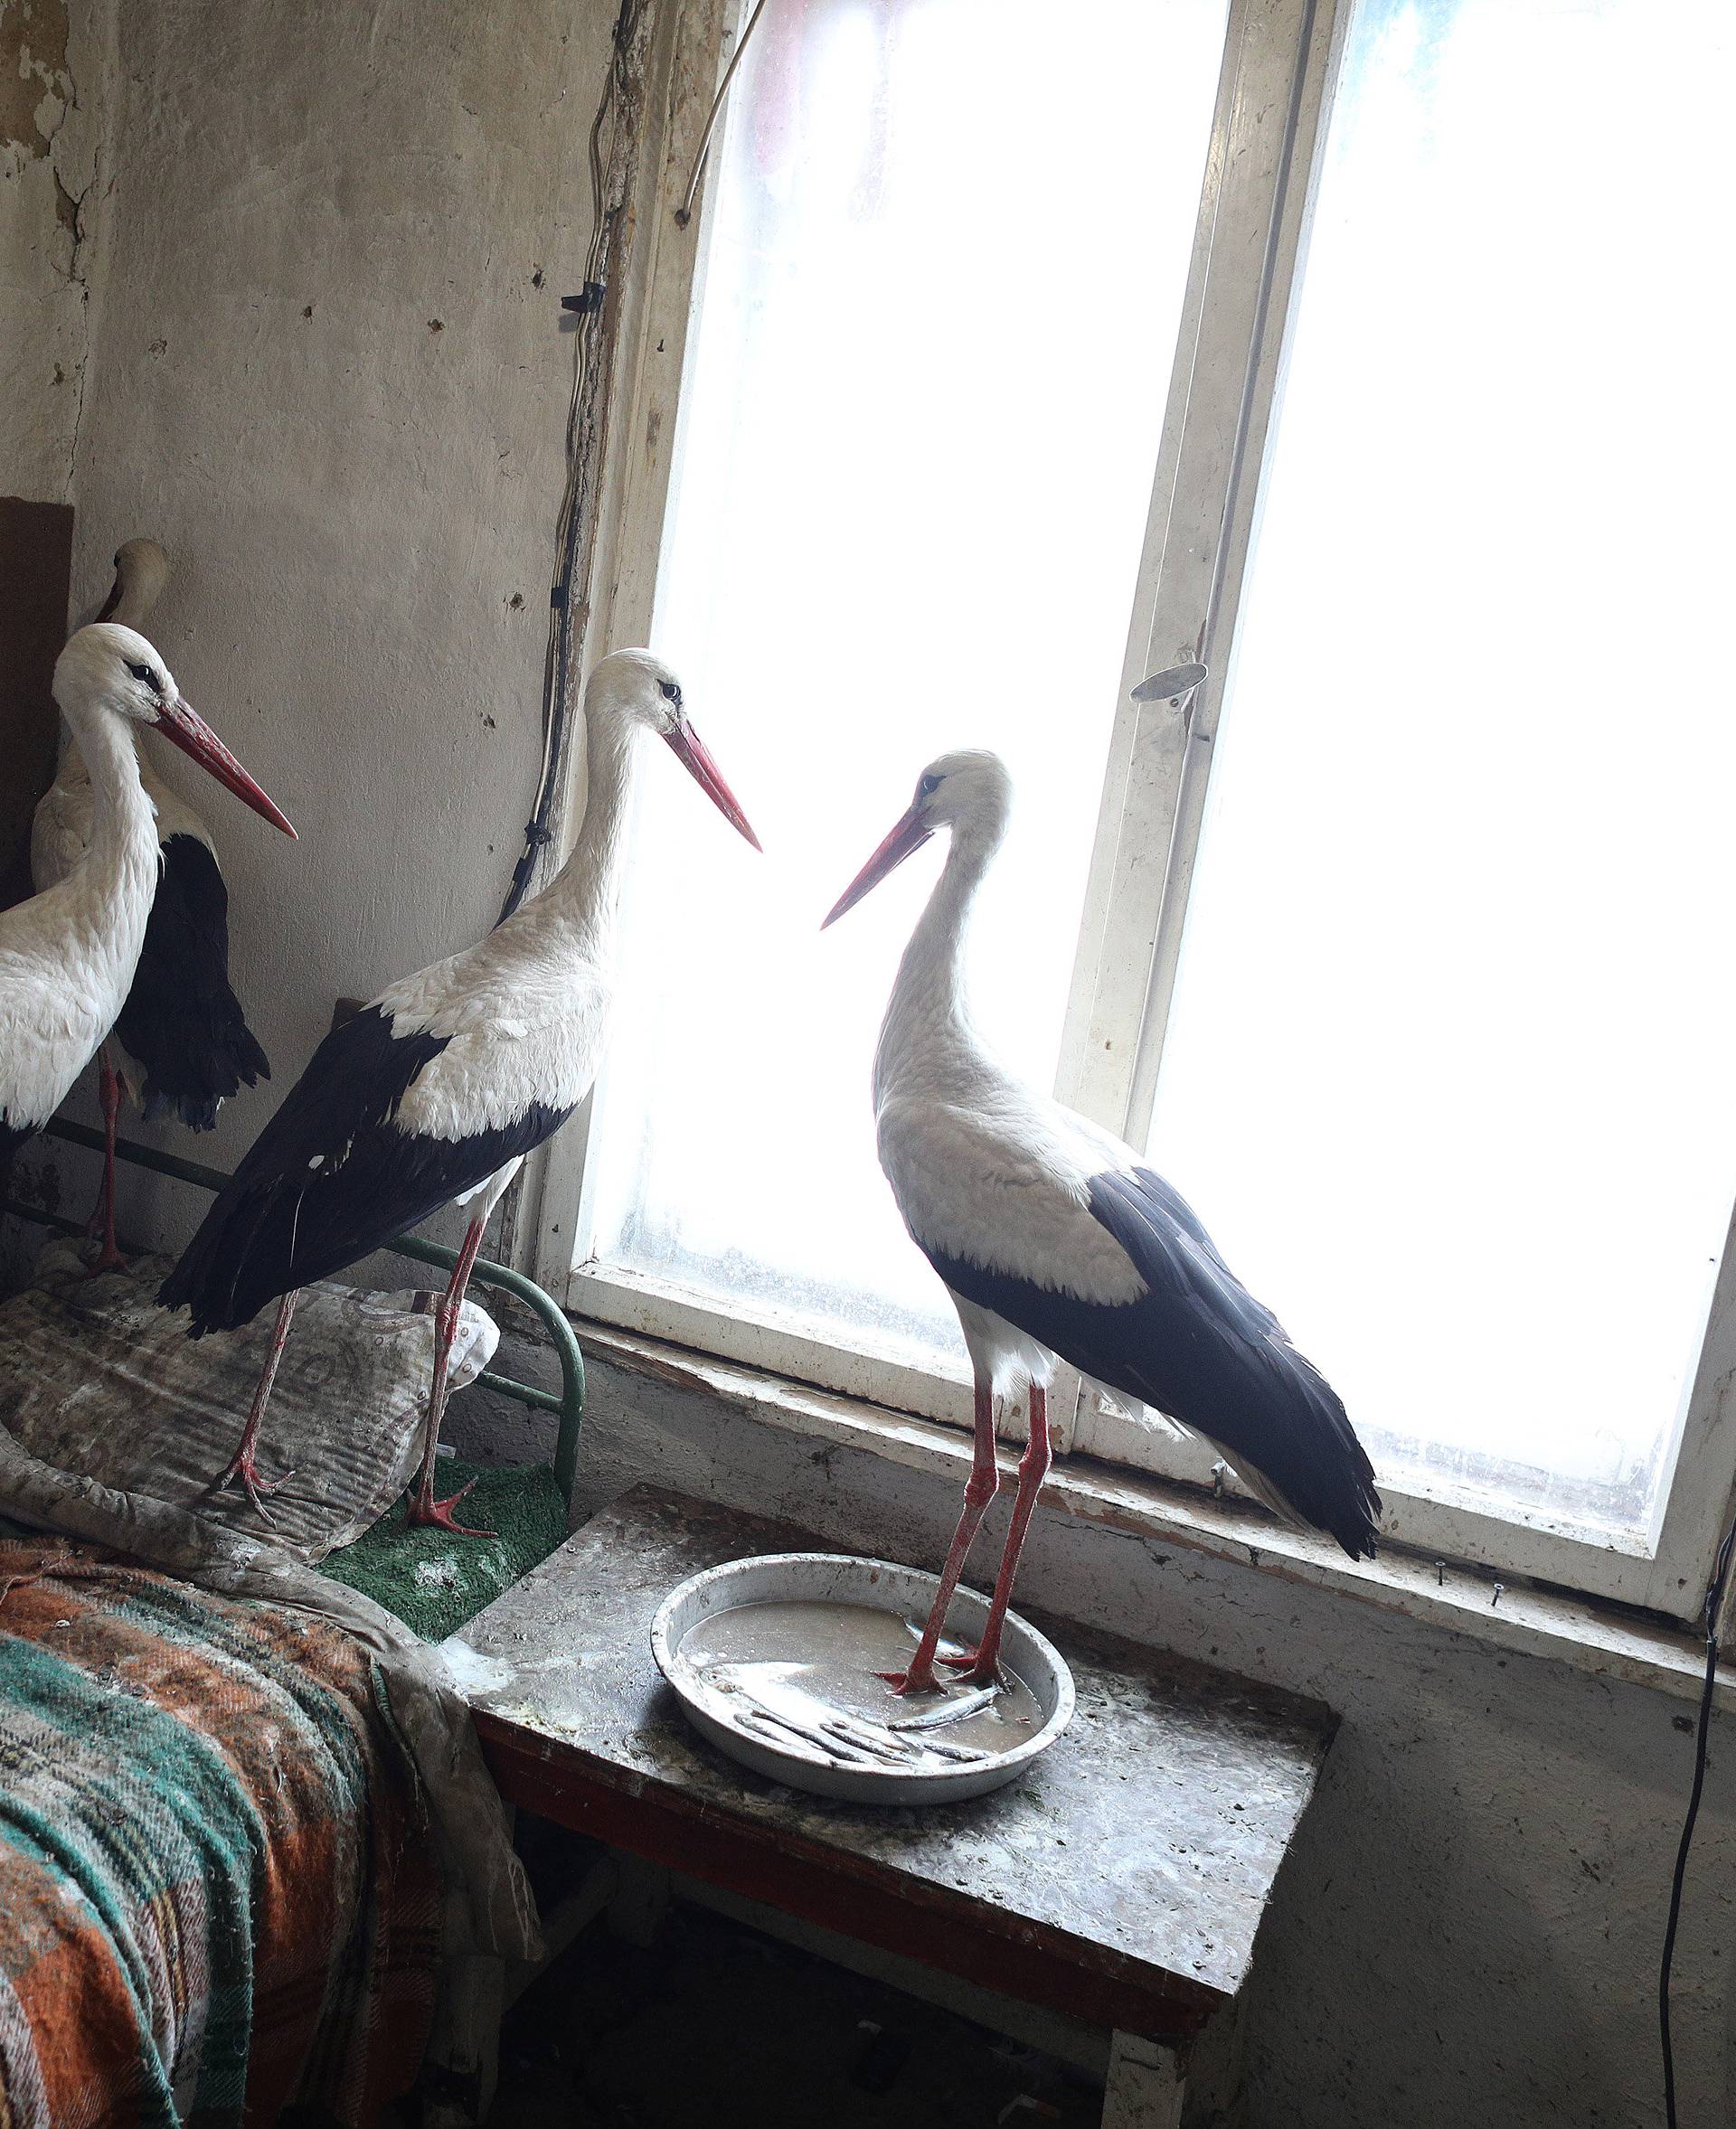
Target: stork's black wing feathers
x: 182, y: 1020
x: 1200, y: 1349
x: 331, y: 1178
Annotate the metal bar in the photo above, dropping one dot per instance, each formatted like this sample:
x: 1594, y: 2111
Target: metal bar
x: 570, y: 1402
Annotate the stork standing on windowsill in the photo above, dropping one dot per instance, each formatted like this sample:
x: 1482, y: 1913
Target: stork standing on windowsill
x: 182, y: 1023
x: 1056, y: 1242
x: 437, y: 1091
x: 68, y: 955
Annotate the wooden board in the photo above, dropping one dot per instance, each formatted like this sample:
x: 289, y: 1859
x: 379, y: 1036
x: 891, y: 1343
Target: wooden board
x: 35, y: 590
x: 1120, y: 1881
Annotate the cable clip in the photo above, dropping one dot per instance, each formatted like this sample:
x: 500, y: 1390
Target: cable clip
x: 589, y: 299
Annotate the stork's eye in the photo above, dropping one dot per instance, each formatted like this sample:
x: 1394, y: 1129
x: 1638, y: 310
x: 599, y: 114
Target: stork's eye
x: 671, y: 691
x: 928, y: 786
x: 145, y: 674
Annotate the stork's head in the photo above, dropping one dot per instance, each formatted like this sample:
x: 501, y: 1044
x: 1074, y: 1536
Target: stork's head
x: 968, y: 792
x: 641, y: 689
x: 141, y: 570
x: 109, y: 670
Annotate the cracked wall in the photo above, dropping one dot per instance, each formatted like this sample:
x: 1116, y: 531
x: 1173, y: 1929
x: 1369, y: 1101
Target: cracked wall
x: 54, y: 79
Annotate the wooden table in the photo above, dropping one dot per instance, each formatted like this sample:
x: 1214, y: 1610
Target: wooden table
x: 1117, y: 1885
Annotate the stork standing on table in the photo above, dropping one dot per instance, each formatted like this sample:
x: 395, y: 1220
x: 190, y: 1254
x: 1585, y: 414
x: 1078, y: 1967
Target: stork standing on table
x: 439, y: 1087
x: 1056, y: 1242
x: 68, y: 955
x: 182, y: 1023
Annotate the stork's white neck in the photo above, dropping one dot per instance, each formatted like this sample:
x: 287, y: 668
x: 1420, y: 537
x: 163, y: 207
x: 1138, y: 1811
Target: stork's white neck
x: 114, y: 885
x: 581, y: 901
x: 927, y: 1029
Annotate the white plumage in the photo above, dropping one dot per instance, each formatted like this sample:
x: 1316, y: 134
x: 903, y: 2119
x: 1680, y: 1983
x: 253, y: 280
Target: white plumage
x: 182, y: 1024
x: 59, y: 832
x: 1057, y: 1242
x: 435, y: 1092
x: 68, y: 955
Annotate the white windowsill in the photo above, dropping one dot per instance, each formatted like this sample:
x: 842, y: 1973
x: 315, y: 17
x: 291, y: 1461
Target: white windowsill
x: 1601, y: 1639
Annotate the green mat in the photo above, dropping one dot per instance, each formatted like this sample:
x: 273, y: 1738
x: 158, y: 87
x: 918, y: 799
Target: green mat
x: 434, y: 1581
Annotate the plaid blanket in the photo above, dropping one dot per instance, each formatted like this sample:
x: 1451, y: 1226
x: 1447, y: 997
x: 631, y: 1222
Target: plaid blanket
x: 217, y: 1893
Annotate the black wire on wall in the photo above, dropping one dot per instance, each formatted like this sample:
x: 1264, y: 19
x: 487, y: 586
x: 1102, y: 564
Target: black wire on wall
x: 1714, y: 1610
x: 570, y: 527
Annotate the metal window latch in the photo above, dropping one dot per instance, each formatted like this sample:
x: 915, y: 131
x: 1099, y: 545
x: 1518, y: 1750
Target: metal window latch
x: 1175, y: 683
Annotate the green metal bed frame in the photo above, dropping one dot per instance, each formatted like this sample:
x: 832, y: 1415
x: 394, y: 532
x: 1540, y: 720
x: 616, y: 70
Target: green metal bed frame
x: 570, y: 1404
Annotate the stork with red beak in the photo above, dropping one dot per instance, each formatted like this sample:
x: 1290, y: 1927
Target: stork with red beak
x: 1057, y: 1242
x: 68, y: 955
x: 437, y: 1091
x: 182, y: 1023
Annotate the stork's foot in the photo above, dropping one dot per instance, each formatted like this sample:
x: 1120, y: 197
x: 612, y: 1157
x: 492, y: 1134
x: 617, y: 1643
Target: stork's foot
x: 244, y: 1473
x: 426, y: 1512
x: 108, y: 1258
x: 918, y: 1679
x: 975, y: 1668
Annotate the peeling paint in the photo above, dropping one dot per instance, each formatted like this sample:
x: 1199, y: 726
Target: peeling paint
x: 55, y: 65
x: 36, y: 82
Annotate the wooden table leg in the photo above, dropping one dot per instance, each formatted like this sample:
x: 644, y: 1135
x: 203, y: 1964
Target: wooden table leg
x: 1145, y: 2085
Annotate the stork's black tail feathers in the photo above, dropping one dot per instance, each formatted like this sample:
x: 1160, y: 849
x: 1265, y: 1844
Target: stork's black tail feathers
x: 182, y: 1020
x: 1200, y: 1349
x: 1218, y: 1359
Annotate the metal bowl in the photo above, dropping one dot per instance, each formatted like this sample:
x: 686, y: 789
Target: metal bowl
x: 872, y: 1751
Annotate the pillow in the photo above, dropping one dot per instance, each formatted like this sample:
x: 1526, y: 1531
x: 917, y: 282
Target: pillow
x: 96, y: 1379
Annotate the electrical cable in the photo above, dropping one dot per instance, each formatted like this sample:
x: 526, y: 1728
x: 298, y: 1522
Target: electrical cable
x: 568, y: 525
x: 1714, y: 1607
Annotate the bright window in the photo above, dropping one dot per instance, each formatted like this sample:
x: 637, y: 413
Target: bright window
x: 922, y: 408
x: 1448, y: 1057
x: 1378, y: 357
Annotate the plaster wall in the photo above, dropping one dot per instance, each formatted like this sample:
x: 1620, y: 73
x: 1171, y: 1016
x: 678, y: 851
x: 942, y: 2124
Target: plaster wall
x: 56, y: 65
x: 330, y: 376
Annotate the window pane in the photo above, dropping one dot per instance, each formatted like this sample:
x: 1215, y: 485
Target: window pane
x: 945, y: 267
x: 1449, y: 1065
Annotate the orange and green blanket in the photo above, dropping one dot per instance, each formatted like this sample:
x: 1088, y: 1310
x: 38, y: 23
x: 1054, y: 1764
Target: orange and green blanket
x: 217, y: 1888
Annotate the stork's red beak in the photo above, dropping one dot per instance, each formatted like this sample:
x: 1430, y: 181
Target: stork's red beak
x: 694, y: 756
x: 911, y: 833
x: 177, y: 721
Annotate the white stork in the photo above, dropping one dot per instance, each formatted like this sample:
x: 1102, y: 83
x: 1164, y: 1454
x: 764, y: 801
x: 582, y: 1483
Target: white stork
x: 437, y: 1091
x: 1056, y: 1242
x: 67, y: 955
x: 182, y: 1023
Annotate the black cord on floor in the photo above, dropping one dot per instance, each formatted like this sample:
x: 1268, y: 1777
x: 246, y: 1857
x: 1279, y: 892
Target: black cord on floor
x: 557, y: 662
x: 1714, y: 1604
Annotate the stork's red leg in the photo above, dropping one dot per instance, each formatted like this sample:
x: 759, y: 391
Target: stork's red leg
x: 980, y: 1667
x: 102, y: 1220
x: 979, y: 1490
x: 423, y: 1507
x: 241, y: 1466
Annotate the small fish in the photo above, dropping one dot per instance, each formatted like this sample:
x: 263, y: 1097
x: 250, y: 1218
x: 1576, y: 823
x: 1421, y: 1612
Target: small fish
x: 937, y: 1748
x: 832, y: 1748
x: 945, y: 1647
x: 951, y: 1710
x: 892, y: 1749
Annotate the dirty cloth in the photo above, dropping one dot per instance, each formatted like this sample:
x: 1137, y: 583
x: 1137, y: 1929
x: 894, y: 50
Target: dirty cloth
x: 489, y: 1905
x: 215, y: 1871
x: 96, y: 1378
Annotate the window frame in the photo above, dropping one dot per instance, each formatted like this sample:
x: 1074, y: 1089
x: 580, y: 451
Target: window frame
x: 1225, y: 386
